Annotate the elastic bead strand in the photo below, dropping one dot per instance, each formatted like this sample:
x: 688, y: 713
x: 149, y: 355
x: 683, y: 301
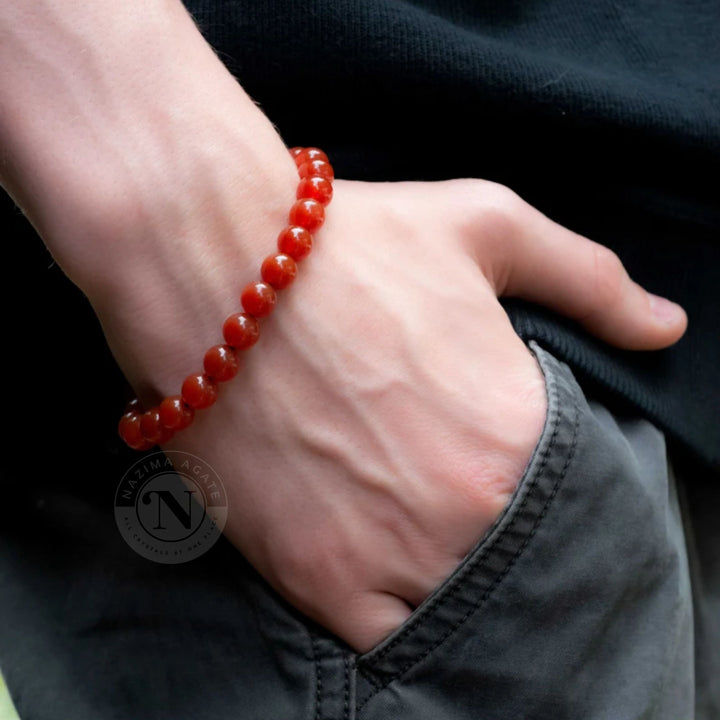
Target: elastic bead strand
x: 142, y: 430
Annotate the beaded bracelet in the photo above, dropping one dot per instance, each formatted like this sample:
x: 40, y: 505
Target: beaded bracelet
x: 142, y: 430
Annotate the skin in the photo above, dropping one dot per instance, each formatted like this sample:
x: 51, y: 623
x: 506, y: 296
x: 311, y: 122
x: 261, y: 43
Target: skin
x: 389, y: 410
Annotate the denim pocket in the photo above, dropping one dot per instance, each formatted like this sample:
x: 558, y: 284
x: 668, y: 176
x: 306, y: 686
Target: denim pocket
x: 447, y: 609
x: 576, y: 603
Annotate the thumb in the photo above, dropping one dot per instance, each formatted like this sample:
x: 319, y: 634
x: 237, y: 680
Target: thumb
x: 548, y: 264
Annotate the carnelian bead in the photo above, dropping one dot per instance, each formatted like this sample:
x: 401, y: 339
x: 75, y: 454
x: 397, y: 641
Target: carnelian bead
x: 221, y: 363
x: 258, y: 298
x: 152, y: 428
x: 316, y: 168
x: 307, y: 213
x: 278, y: 270
x: 129, y: 431
x: 175, y: 414
x: 199, y: 391
x: 310, y: 154
x: 318, y: 188
x: 295, y: 151
x: 295, y: 242
x: 241, y: 331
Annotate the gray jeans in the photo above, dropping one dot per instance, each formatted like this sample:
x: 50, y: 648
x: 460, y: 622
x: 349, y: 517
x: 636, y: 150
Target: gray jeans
x: 593, y: 597
x: 577, y: 604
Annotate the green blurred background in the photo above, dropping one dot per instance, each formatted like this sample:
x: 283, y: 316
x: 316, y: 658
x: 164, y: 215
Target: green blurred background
x: 7, y: 711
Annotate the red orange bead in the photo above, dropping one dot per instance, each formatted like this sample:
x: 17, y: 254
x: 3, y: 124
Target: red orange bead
x: 152, y: 428
x: 241, y: 331
x: 307, y: 213
x: 221, y: 363
x: 295, y: 151
x: 258, y: 298
x: 199, y: 391
x: 308, y: 155
x: 175, y: 414
x: 316, y: 168
x: 296, y: 242
x: 129, y: 431
x: 318, y: 188
x: 278, y: 270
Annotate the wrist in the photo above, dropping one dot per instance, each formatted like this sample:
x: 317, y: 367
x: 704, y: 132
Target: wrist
x: 123, y: 133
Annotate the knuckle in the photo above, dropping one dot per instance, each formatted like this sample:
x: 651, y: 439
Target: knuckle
x: 488, y: 212
x: 483, y: 196
x: 500, y: 211
x: 500, y: 195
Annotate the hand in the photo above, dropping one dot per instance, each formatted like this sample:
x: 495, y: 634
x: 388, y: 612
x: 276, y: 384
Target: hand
x: 389, y: 409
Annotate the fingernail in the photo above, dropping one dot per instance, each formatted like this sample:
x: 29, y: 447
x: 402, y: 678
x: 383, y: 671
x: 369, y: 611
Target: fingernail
x: 665, y: 310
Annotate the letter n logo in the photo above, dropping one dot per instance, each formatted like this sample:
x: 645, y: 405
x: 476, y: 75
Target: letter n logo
x: 166, y: 499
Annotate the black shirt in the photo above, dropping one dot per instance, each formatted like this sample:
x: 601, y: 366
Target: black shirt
x: 604, y: 115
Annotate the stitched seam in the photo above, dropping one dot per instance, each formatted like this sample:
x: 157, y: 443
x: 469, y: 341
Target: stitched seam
x: 346, y: 699
x: 375, y: 683
x: 458, y: 585
x: 500, y: 577
x: 318, y: 680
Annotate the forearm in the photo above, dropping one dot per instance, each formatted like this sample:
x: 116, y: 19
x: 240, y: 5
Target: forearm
x: 117, y: 121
